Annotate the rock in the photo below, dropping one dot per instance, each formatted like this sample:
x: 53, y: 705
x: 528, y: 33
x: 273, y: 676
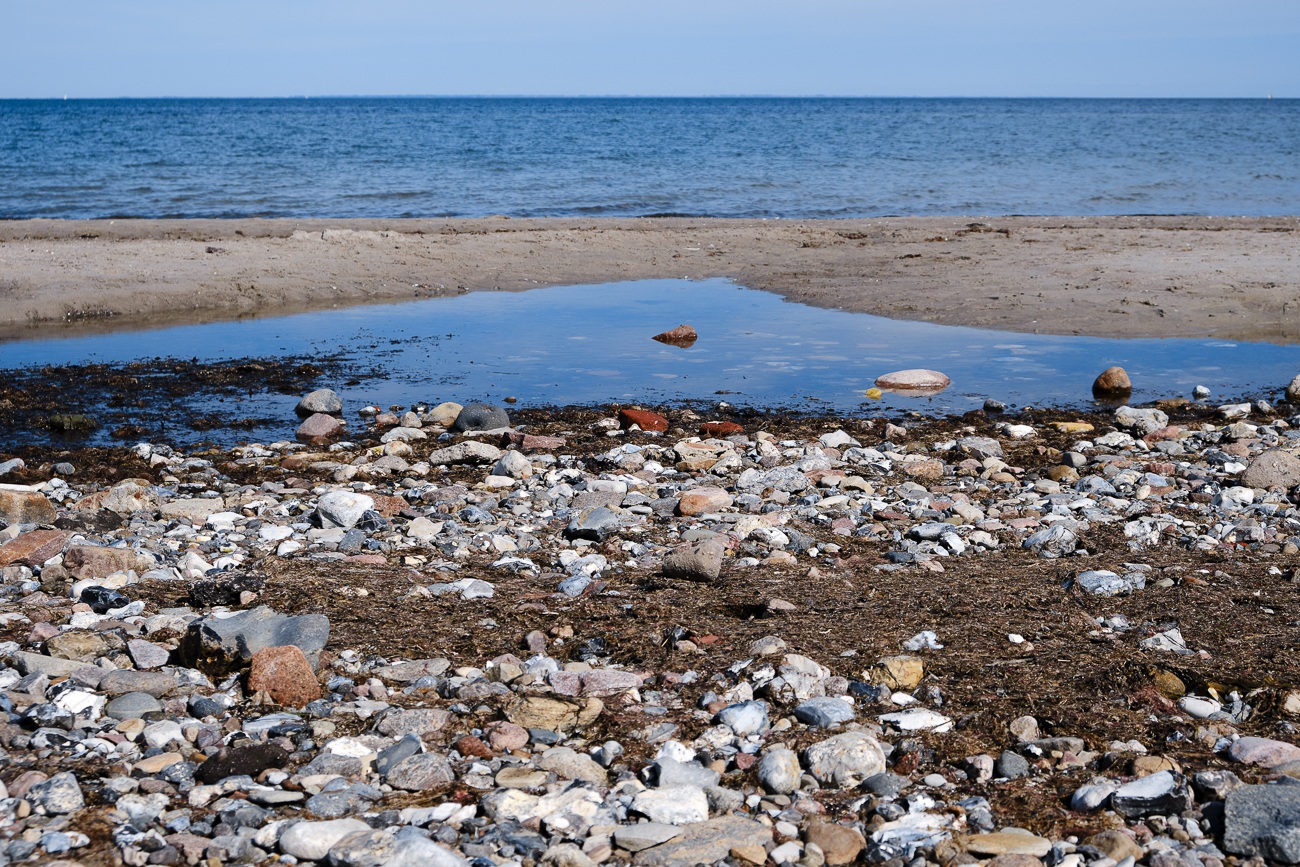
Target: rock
x: 220, y: 644
x: 721, y: 429
x: 915, y: 719
x: 513, y: 465
x: 420, y: 773
x: 1006, y: 843
x: 845, y: 759
x: 553, y: 714
x: 59, y: 795
x: 643, y: 835
x: 285, y: 675
x: 93, y: 561
x: 341, y: 509
x: 132, y: 705
x: 418, y: 721
x: 839, y: 844
x: 824, y: 711
x: 779, y: 771
x: 897, y: 672
x: 642, y: 418
x: 1010, y: 765
x: 705, y: 842
x: 916, y: 379
x: 595, y: 525
x: 322, y: 400
x: 249, y: 760
x: 34, y: 548
x: 1265, y: 752
x: 980, y: 448
x: 480, y: 416
x: 682, y: 335
x: 1092, y: 795
x: 673, y: 805
x: 468, y: 452
x: 1144, y: 421
x: 146, y: 655
x: 571, y: 765
x: 391, y: 848
x: 1116, y: 845
x: 20, y: 504
x: 318, y: 429
x: 1263, y: 821
x: 699, y: 562
x: 1274, y: 469
x: 312, y: 841
x: 1165, y: 792
x: 1112, y: 382
x: 1057, y: 540
x: 1102, y: 582
x: 745, y: 718
x: 702, y: 500
x: 124, y: 680
x: 444, y: 414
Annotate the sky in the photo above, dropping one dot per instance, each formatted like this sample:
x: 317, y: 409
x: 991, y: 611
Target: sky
x: 1101, y: 48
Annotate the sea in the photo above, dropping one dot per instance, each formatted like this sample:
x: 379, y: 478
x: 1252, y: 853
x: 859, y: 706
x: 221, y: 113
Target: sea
x: 776, y: 158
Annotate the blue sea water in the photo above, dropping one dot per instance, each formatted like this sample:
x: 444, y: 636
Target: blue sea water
x: 750, y: 157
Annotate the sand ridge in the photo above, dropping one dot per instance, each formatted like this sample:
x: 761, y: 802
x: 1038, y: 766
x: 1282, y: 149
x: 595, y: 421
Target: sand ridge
x: 1231, y: 278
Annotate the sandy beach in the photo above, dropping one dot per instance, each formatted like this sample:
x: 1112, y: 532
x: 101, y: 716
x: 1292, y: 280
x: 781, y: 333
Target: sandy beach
x: 1232, y: 278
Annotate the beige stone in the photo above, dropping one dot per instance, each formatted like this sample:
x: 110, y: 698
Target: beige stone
x: 897, y: 672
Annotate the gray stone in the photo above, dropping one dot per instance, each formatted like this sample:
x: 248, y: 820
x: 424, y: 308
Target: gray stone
x: 393, y: 755
x: 1092, y: 796
x: 1263, y: 821
x: 980, y: 447
x: 1144, y: 421
x: 342, y: 509
x: 1010, y: 765
x: 468, y: 452
x: 745, y: 718
x: 132, y: 705
x: 58, y: 795
x: 824, y: 711
x: 1054, y: 541
x: 705, y: 842
x: 1274, y: 468
x: 421, y: 772
x: 217, y: 645
x: 595, y: 525
x: 674, y: 773
x: 643, y: 835
x: 845, y: 759
x: 321, y: 400
x: 1164, y: 793
x: 1102, y: 582
x: 699, y: 562
x: 312, y: 841
x: 779, y: 771
x: 480, y: 416
x: 570, y: 765
x: 124, y: 680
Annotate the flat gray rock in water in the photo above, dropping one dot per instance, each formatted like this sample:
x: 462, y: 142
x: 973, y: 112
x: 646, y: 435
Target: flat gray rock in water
x: 324, y: 400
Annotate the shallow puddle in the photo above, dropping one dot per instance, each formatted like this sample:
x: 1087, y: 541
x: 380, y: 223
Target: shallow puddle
x: 592, y: 344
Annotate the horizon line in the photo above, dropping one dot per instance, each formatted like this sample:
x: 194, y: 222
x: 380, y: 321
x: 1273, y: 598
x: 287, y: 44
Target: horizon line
x: 68, y: 97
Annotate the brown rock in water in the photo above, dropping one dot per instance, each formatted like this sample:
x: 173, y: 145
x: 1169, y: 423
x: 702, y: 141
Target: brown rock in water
x: 1113, y: 382
x: 917, y: 379
x: 318, y: 429
x: 285, y: 674
x: 682, y: 335
x: 643, y: 419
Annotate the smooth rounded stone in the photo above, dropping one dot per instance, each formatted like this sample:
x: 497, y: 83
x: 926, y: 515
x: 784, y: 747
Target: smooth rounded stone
x: 839, y: 844
x: 391, y: 848
x: 564, y: 762
x: 1006, y: 843
x: 480, y: 416
x: 1164, y: 792
x: 513, y: 465
x: 403, y: 435
x: 1201, y: 708
x: 845, y: 759
x: 1263, y: 821
x: 342, y: 509
x: 643, y: 835
x: 124, y: 680
x: 1265, y: 752
x: 672, y: 772
x: 914, y: 379
x: 1272, y: 469
x: 58, y: 795
x: 312, y: 841
x: 703, y: 500
x: 336, y: 804
x: 705, y: 842
x: 1112, y: 382
x: 745, y: 718
x: 824, y: 711
x: 132, y: 705
x: 1116, y: 845
x: 318, y: 429
x: 285, y: 675
x: 1092, y: 796
x: 1010, y: 765
x: 699, y: 562
x: 779, y: 771
x: 444, y: 414
x: 673, y: 805
x: 421, y: 772
x: 917, y: 719
x: 324, y: 400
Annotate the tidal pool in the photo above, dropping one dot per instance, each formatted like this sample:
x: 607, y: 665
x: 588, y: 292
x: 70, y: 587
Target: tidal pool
x: 592, y: 344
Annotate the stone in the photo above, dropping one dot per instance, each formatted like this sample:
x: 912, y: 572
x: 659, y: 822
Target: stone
x: 917, y: 719
x: 1006, y: 843
x: 1117, y: 845
x: 147, y: 655
x: 312, y: 841
x: 824, y: 711
x: 1091, y: 796
x: 77, y: 644
x: 249, y: 760
x: 94, y: 561
x: 673, y: 805
x: 682, y: 335
x: 124, y: 680
x: 1112, y: 382
x: 698, y: 562
x: 553, y: 714
x: 705, y: 842
x: 513, y: 465
x: 33, y: 548
x: 59, y: 795
x: 779, y: 771
x: 20, y: 504
x: 915, y: 379
x: 1144, y: 421
x: 467, y: 452
x: 1264, y: 752
x: 444, y: 414
x: 1165, y: 792
x: 643, y: 835
x: 595, y: 525
x: 419, y: 721
x: 480, y: 416
x: 564, y: 762
x: 129, y: 497
x: 897, y: 672
x: 745, y: 718
x: 845, y: 759
x: 322, y: 400
x: 839, y: 844
x: 702, y: 500
x: 980, y: 448
x: 341, y: 509
x: 217, y: 645
x: 1273, y: 469
x: 721, y: 429
x: 642, y: 418
x: 422, y: 772
x: 1010, y: 765
x: 671, y: 772
x: 1263, y: 821
x: 285, y: 675
x: 132, y: 705
x: 318, y: 429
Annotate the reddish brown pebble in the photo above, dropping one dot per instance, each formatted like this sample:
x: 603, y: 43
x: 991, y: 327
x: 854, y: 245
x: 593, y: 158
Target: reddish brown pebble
x: 643, y: 419
x: 285, y: 675
x: 682, y: 335
x: 745, y: 761
x: 1112, y: 381
x: 720, y: 429
x: 472, y: 746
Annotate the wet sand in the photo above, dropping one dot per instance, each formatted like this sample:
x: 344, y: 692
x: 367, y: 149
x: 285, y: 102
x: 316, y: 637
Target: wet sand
x: 1232, y: 278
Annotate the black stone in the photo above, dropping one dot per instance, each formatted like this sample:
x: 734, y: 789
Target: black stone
x: 480, y: 416
x: 241, y: 761
x: 103, y: 599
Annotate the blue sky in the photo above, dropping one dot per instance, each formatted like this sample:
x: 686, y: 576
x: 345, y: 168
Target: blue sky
x: 1107, y: 48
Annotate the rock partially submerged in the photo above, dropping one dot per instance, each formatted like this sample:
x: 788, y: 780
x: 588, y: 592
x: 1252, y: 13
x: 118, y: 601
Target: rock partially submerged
x: 914, y: 380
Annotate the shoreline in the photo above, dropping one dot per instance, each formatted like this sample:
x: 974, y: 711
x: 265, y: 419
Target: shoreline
x: 1223, y: 277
